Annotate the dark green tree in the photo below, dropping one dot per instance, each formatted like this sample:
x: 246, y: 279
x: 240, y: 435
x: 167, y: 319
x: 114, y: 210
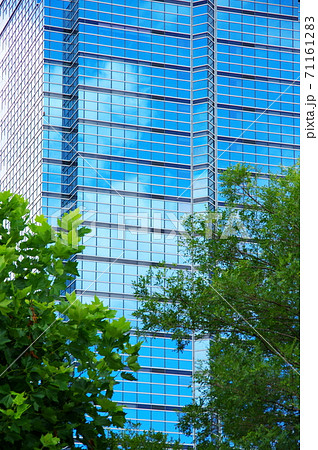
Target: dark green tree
x: 242, y: 294
x: 59, y: 358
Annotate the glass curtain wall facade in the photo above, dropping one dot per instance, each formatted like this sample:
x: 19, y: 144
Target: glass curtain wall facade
x: 135, y: 108
x: 258, y: 84
x: 117, y: 144
x: 21, y: 99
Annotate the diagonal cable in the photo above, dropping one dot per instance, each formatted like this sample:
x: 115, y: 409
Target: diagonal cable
x: 256, y: 331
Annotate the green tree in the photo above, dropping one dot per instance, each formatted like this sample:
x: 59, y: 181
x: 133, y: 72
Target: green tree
x: 132, y: 439
x: 243, y: 295
x: 59, y: 358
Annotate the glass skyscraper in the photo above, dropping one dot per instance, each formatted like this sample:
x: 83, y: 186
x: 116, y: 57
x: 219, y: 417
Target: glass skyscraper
x: 129, y: 110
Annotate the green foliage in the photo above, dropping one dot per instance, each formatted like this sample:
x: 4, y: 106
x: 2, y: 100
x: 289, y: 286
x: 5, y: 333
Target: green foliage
x: 243, y: 295
x: 59, y: 358
x: 133, y: 439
